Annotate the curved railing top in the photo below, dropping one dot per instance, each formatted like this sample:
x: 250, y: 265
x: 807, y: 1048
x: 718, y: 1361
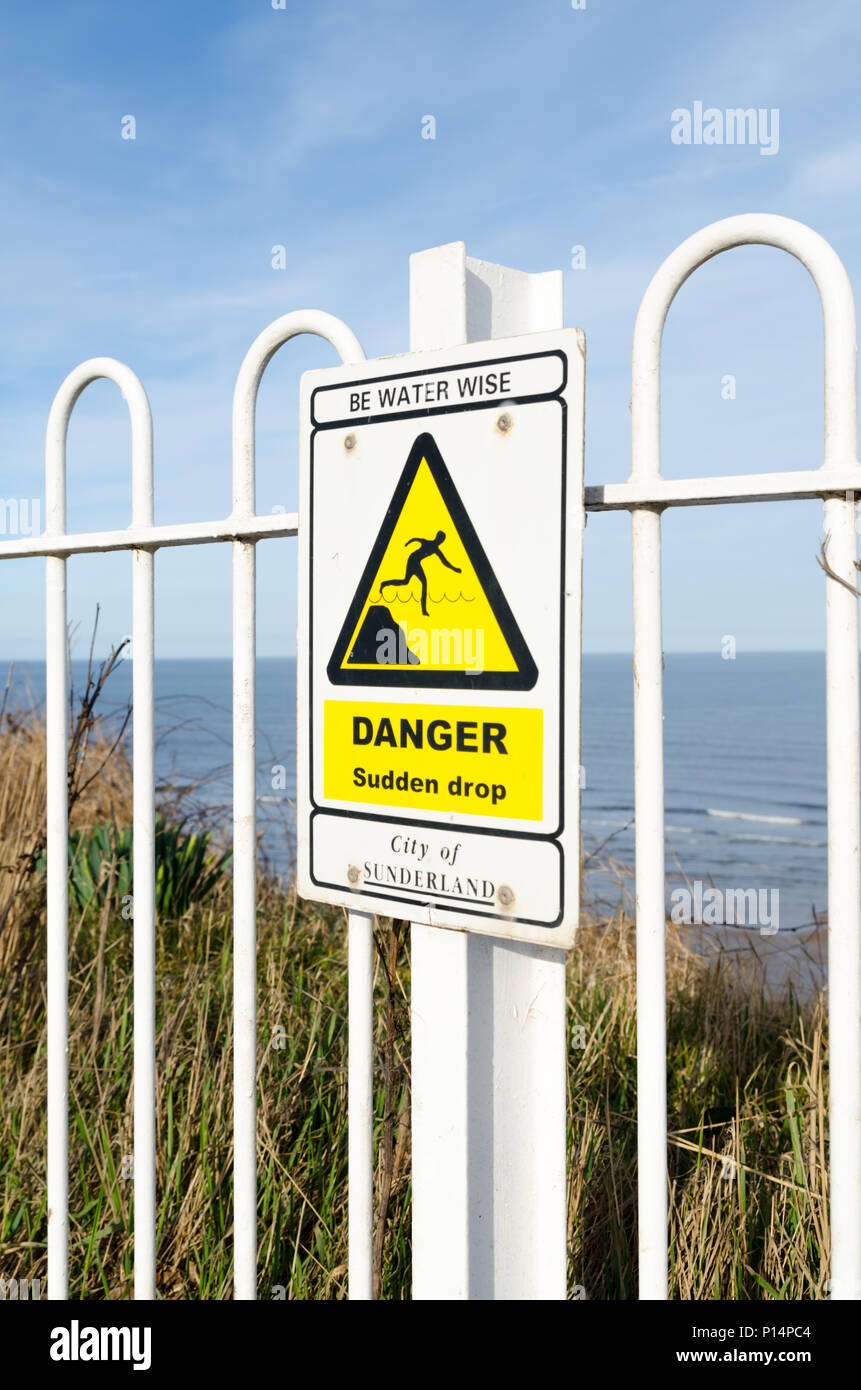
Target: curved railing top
x: 254, y: 364
x: 97, y: 369
x: 838, y: 310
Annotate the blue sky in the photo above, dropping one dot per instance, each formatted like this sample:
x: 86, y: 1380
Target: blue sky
x: 302, y: 126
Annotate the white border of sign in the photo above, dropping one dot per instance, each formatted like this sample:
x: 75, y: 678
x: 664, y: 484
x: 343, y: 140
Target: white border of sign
x: 549, y: 861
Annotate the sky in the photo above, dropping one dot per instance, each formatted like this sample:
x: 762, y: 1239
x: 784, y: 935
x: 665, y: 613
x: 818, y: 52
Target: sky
x: 301, y: 127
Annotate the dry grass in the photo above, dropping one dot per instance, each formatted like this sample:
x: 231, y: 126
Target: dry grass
x: 747, y: 1096
x: 747, y: 1083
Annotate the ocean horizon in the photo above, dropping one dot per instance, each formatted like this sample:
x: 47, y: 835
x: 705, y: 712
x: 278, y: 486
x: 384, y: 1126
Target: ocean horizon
x: 744, y: 741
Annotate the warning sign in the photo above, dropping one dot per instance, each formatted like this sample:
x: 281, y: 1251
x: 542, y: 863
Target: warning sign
x: 440, y: 541
x: 485, y: 761
x: 429, y: 610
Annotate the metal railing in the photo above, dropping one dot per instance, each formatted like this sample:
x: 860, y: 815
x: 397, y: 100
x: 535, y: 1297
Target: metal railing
x: 243, y: 528
x: 645, y: 495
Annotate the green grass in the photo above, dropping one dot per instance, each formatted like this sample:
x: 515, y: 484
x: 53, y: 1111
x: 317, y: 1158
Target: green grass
x: 747, y: 1101
x: 747, y: 1076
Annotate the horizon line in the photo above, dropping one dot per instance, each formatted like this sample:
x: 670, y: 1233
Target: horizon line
x: 292, y: 656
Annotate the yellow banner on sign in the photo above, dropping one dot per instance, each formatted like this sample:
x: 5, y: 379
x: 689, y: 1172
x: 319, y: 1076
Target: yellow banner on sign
x: 472, y: 761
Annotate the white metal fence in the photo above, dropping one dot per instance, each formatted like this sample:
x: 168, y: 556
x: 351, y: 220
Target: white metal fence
x: 645, y: 495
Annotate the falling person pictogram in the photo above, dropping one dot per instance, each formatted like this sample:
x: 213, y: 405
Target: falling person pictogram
x: 415, y: 570
x: 479, y: 644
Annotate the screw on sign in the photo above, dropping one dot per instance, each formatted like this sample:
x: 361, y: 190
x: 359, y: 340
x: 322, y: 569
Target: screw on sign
x: 440, y: 560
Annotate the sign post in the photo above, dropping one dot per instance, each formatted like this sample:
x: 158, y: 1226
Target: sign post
x: 442, y: 503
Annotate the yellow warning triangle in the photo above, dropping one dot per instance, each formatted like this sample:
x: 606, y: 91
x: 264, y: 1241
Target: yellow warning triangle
x: 428, y: 610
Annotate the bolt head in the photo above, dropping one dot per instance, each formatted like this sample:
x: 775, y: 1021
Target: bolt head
x: 353, y: 874
x: 505, y: 895
x: 350, y: 441
x: 504, y: 423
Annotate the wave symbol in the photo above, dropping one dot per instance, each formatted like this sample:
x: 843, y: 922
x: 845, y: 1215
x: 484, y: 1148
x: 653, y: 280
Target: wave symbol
x: 412, y: 598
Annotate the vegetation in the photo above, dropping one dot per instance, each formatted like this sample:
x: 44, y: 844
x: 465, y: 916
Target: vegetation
x: 101, y: 867
x: 747, y: 1079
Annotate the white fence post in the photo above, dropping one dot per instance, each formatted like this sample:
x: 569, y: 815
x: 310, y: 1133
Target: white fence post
x: 57, y: 833
x: 143, y: 886
x: 650, y: 905
x: 255, y: 362
x: 360, y: 1107
x: 488, y: 1016
x: 839, y: 472
x: 57, y: 683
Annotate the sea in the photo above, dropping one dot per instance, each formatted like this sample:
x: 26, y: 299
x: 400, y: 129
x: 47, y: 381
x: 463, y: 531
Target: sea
x: 744, y: 744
